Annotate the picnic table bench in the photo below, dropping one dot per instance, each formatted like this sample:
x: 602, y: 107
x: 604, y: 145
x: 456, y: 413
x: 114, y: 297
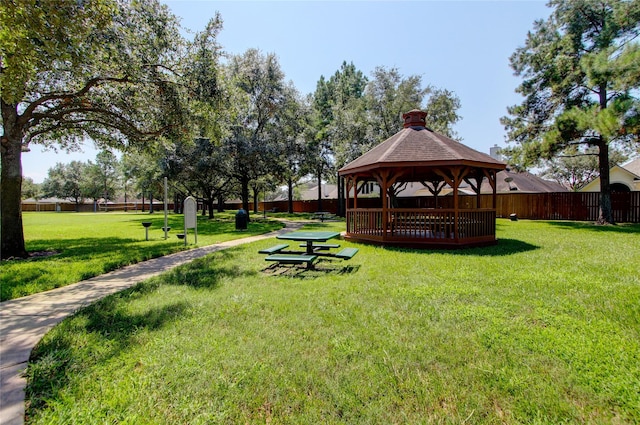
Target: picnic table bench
x: 273, y: 249
x: 293, y: 259
x: 323, y: 215
x: 347, y: 253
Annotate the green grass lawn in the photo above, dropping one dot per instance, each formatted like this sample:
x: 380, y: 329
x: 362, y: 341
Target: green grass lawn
x: 90, y: 244
x: 542, y: 328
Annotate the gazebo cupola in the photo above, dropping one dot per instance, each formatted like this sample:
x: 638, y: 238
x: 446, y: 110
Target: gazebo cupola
x: 418, y: 155
x: 415, y: 118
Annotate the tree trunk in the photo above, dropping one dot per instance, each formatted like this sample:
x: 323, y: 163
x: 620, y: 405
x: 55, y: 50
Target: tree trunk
x: 290, y: 195
x: 244, y: 193
x: 210, y: 206
x: 255, y: 200
x: 341, y: 203
x: 12, y: 236
x: 319, y: 190
x: 606, y: 212
x: 220, y: 203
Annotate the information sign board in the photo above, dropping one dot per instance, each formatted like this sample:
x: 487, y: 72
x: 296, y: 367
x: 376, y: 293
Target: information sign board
x: 190, y: 213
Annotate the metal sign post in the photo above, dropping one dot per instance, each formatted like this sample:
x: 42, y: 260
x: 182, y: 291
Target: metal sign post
x: 166, y: 229
x: 190, y: 217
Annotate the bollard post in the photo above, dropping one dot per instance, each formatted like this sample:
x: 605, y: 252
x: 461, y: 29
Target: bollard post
x: 146, y: 225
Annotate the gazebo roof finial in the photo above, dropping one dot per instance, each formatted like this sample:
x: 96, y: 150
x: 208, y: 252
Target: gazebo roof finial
x: 415, y: 118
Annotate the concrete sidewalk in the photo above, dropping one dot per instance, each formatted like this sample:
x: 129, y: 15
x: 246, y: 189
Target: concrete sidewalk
x: 24, y: 321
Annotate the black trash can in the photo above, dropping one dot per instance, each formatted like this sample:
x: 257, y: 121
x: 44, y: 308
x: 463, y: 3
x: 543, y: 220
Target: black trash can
x: 241, y: 219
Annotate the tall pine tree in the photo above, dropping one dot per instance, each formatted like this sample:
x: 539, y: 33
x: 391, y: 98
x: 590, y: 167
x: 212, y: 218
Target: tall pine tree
x: 581, y: 74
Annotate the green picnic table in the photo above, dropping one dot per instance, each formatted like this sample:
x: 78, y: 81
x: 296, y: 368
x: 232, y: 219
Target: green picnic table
x: 313, y: 242
x: 309, y: 238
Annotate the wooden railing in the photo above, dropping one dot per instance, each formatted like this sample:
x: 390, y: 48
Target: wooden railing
x: 365, y: 222
x: 477, y: 223
x: 421, y: 224
x: 407, y: 223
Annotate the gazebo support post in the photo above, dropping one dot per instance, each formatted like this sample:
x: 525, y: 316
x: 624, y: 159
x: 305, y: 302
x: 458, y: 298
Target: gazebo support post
x: 478, y: 188
x: 458, y: 174
x: 434, y: 189
x: 491, y: 177
x: 477, y: 178
x: 348, y: 182
x: 383, y: 181
x: 386, y: 179
x: 355, y: 193
x: 452, y: 182
x: 494, y: 185
x: 456, y: 203
x: 385, y: 204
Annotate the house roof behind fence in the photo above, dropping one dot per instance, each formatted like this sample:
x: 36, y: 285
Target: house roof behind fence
x: 633, y: 167
x: 509, y: 181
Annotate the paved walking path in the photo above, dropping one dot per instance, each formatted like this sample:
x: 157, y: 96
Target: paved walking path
x: 24, y: 321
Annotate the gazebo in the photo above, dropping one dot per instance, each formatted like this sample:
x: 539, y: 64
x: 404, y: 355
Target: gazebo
x: 418, y: 155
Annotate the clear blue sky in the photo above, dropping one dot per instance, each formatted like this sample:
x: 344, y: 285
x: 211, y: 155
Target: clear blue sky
x: 463, y: 46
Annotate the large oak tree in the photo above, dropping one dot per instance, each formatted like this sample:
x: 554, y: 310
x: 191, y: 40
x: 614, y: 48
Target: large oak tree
x: 257, y: 96
x: 76, y: 70
x: 581, y: 75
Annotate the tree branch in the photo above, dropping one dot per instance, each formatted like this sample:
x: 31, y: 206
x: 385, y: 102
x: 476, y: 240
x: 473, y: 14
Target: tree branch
x: 161, y: 66
x: 124, y: 126
x: 122, y: 123
x: 29, y: 111
x: 576, y: 155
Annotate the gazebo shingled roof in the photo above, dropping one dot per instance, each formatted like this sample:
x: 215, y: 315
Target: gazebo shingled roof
x: 418, y: 154
x: 417, y: 144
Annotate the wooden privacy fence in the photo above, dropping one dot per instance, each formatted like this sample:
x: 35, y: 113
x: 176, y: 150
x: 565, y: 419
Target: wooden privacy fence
x: 579, y: 206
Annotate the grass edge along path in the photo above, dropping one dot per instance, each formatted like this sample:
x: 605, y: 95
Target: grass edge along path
x: 90, y: 244
x: 542, y: 328
x: 26, y: 320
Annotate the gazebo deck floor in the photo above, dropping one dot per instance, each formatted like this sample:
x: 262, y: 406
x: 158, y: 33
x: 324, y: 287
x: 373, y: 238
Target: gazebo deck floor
x: 418, y: 242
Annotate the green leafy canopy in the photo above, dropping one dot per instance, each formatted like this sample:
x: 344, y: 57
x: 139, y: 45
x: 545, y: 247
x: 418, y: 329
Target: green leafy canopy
x: 581, y: 75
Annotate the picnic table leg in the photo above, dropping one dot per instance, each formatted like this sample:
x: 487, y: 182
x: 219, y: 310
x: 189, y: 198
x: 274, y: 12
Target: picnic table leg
x: 309, y: 247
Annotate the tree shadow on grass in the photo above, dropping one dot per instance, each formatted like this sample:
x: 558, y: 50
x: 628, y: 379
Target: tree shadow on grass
x: 82, y: 248
x: 208, y: 271
x: 112, y: 328
x: 322, y: 268
x: 628, y: 228
x: 89, y: 256
x: 504, y: 247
